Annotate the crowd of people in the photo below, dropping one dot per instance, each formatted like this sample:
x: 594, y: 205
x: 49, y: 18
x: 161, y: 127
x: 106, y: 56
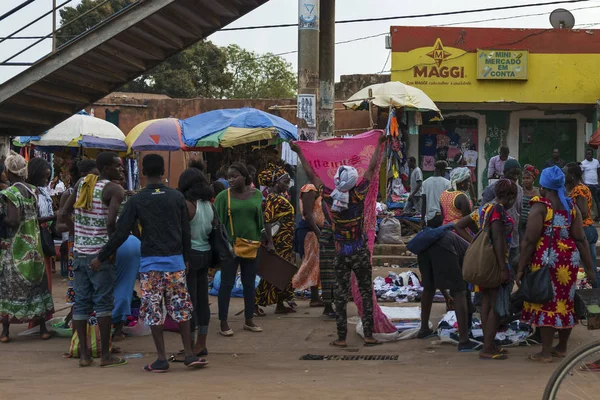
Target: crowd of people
x: 115, y: 239
x: 530, y: 228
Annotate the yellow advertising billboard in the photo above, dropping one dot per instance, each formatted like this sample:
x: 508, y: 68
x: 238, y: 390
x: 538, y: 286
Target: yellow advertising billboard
x: 523, y: 65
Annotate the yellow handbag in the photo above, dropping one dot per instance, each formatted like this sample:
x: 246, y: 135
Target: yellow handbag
x: 243, y: 248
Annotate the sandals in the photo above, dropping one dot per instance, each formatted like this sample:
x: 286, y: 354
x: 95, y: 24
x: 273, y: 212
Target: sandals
x: 426, y: 334
x: 494, y: 357
x: 4, y: 339
x: 373, y: 344
x: 336, y: 343
x: 195, y: 362
x: 537, y: 358
x: 86, y: 363
x: 157, y: 367
x: 119, y: 362
x: 45, y: 335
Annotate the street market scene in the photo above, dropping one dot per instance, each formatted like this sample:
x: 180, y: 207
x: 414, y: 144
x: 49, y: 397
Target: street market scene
x: 405, y: 203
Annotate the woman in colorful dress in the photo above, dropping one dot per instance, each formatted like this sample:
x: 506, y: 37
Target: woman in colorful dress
x: 24, y: 296
x: 501, y: 227
x: 78, y: 169
x: 279, y: 212
x: 554, y: 239
x: 455, y: 203
x: 582, y: 197
x: 530, y: 174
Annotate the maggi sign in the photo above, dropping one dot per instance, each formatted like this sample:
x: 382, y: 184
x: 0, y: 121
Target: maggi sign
x: 502, y: 64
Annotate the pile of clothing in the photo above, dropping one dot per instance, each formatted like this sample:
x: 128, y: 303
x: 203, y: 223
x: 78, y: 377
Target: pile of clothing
x: 515, y: 334
x: 401, y: 288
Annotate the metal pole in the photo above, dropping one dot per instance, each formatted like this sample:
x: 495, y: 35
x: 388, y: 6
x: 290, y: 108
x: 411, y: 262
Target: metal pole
x: 308, y: 66
x: 53, y: 26
x: 327, y: 69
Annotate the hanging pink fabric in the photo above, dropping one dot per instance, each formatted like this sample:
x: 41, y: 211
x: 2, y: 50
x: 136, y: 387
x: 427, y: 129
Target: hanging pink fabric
x: 326, y: 157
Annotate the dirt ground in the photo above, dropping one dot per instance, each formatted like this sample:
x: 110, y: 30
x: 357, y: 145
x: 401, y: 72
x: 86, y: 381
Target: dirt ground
x: 267, y: 366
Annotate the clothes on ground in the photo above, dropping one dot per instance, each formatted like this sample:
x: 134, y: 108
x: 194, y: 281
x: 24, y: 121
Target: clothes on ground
x: 91, y: 216
x: 448, y: 207
x: 24, y: 294
x: 164, y: 234
x: 247, y: 215
x: 170, y: 288
x: 278, y: 209
x: 590, y: 171
x: 400, y: 288
x: 348, y: 225
x: 433, y: 188
x: 515, y: 334
x: 515, y: 211
x: 560, y: 254
x: 201, y: 226
x: 582, y: 190
x: 127, y: 265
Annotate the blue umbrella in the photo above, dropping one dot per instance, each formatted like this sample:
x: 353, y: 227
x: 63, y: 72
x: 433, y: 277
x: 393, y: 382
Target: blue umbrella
x: 235, y: 126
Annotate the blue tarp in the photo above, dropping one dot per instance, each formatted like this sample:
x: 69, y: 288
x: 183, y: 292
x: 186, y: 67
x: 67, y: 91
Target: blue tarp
x: 208, y: 123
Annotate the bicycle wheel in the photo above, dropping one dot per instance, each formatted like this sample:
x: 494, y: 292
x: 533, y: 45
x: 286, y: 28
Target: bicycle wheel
x: 577, y: 376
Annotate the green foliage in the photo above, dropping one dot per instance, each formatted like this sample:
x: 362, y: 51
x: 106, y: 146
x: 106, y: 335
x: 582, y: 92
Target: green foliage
x: 202, y: 70
x: 68, y: 14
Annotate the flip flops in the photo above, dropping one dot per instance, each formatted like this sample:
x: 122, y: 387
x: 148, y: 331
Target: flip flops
x: 536, y: 358
x: 494, y: 357
x: 157, y: 369
x: 372, y: 344
x: 468, y: 347
x: 195, y: 362
x: 86, y: 363
x: 336, y: 343
x: 120, y: 362
x: 426, y: 334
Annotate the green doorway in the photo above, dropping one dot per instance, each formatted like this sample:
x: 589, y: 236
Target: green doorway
x: 538, y: 137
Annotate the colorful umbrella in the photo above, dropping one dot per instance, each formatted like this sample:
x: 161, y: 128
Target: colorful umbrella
x: 232, y: 127
x: 85, y: 131
x: 155, y: 135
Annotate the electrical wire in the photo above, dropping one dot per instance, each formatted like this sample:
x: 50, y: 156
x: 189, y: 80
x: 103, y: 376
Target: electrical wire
x: 428, y: 15
x: 386, y: 61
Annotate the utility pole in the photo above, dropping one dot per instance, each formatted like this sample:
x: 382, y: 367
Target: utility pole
x: 308, y: 68
x: 327, y: 69
x: 53, y: 26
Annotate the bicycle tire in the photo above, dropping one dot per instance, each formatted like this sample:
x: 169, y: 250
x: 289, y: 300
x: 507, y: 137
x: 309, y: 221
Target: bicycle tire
x: 566, y: 365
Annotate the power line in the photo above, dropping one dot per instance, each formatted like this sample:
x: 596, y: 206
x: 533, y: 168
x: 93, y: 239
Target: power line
x: 440, y: 14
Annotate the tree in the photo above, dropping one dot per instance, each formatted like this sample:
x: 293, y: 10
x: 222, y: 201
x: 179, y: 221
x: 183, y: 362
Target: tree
x: 202, y: 70
x: 199, y: 71
x: 255, y: 76
x: 68, y: 14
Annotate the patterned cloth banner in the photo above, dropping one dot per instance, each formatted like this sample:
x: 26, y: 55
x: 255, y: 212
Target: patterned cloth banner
x: 325, y: 157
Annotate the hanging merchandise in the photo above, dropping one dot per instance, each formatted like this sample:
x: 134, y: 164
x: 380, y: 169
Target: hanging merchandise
x: 397, y: 169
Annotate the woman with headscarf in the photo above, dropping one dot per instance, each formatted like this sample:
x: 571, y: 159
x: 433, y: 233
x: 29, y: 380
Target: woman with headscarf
x: 461, y: 162
x: 24, y: 296
x: 38, y: 175
x: 554, y: 239
x: 455, y: 203
x: 346, y: 211
x: 582, y: 197
x: 279, y: 218
x: 501, y: 228
x: 530, y: 174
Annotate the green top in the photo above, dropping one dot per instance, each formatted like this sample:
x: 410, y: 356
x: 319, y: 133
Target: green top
x: 201, y: 226
x: 246, y: 215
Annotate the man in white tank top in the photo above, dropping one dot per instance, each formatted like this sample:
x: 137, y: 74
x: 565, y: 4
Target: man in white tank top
x: 96, y: 205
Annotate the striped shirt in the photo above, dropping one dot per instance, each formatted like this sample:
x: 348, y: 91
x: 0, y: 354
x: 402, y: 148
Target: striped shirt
x: 90, y: 225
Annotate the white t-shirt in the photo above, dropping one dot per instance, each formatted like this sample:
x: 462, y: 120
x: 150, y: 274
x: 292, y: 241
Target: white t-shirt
x: 590, y: 171
x: 433, y: 188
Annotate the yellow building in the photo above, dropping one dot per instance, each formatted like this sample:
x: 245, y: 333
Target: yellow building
x: 532, y: 90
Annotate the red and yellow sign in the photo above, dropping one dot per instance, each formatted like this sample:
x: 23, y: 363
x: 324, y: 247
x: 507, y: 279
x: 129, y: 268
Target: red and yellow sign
x: 555, y: 66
